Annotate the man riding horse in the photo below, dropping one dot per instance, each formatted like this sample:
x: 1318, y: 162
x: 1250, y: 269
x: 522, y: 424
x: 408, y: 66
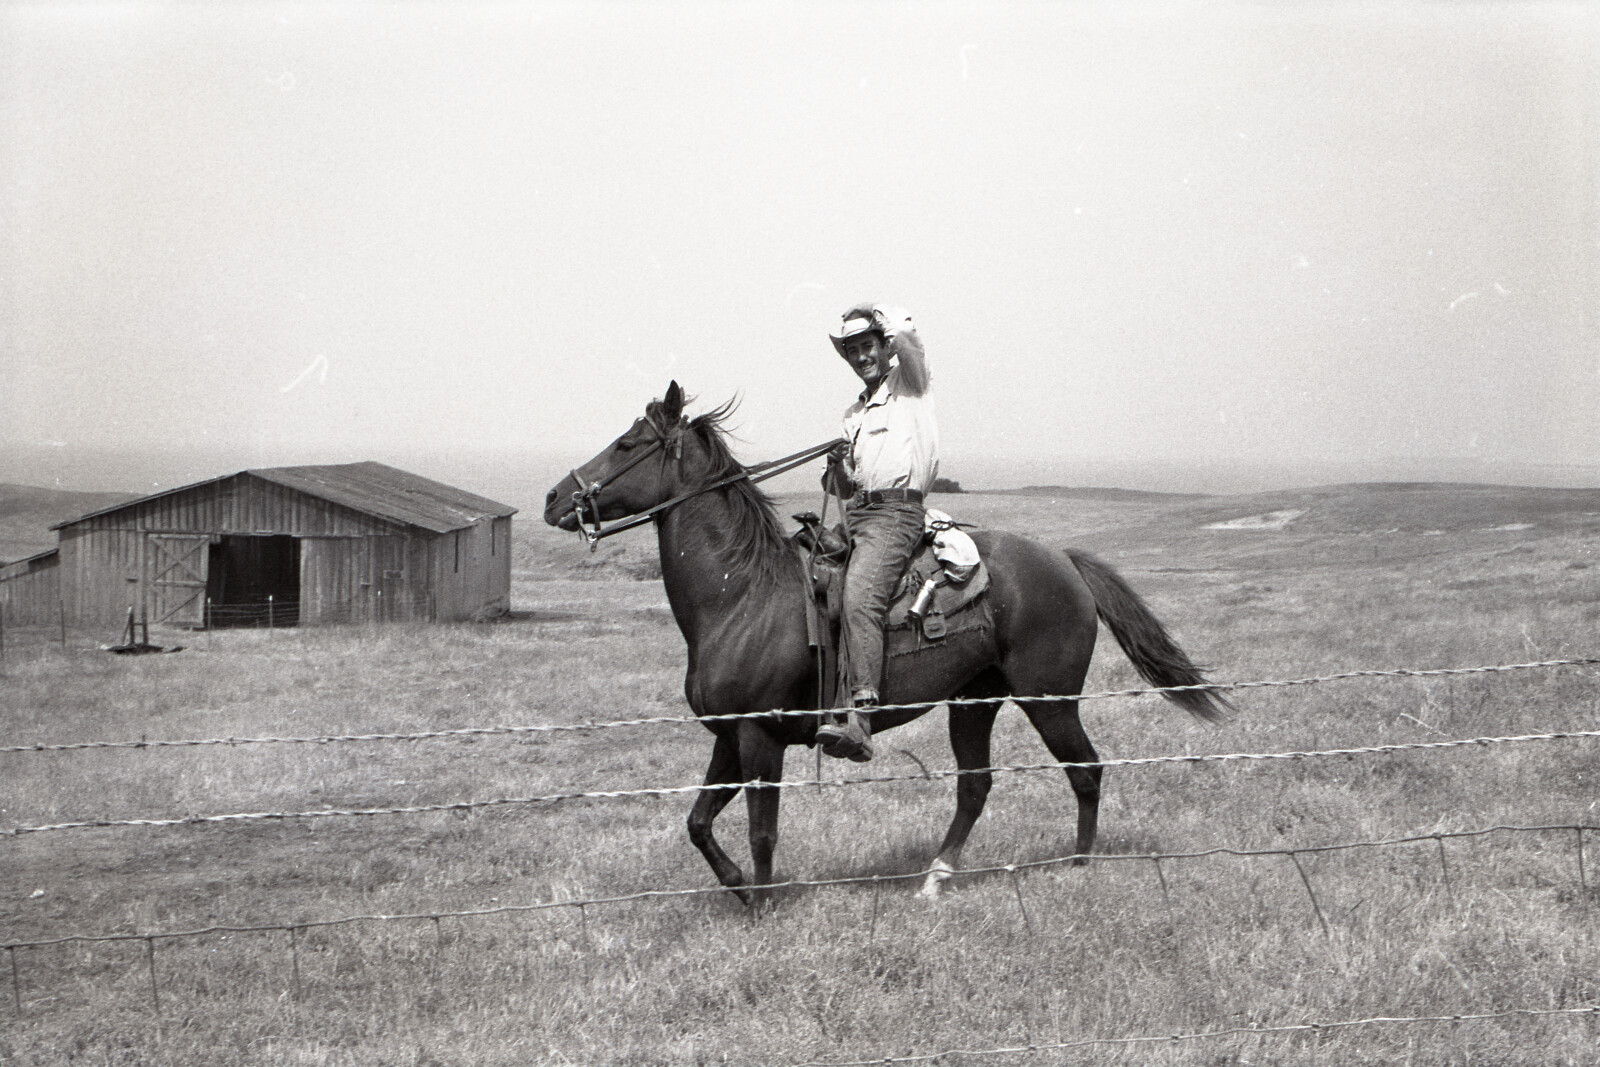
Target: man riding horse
x: 882, y: 471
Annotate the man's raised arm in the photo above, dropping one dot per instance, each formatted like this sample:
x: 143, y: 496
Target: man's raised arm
x: 906, y: 347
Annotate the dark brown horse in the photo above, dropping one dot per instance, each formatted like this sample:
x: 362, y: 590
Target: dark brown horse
x: 737, y: 589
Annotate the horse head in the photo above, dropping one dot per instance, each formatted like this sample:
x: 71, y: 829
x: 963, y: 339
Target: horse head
x: 632, y: 474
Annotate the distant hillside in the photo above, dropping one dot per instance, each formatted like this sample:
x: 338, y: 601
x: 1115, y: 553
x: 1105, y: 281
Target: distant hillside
x: 27, y: 513
x: 1065, y: 492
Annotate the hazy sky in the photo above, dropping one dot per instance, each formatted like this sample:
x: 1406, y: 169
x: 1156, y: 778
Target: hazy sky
x: 1300, y: 234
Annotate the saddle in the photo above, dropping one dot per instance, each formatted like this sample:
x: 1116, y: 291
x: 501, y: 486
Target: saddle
x: 940, y: 594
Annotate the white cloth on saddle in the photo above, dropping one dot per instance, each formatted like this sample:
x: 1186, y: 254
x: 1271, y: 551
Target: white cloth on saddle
x: 957, y: 552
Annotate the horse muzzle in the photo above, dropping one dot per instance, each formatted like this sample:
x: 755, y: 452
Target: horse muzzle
x: 559, y: 510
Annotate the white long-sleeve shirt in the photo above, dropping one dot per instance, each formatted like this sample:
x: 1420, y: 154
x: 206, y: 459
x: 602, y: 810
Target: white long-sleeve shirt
x: 894, y: 438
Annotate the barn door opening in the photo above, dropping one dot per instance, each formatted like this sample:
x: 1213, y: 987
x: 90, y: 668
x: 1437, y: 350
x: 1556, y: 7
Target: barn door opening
x: 176, y: 576
x: 254, y: 580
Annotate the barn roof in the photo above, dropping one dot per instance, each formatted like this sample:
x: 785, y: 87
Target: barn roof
x: 389, y: 493
x: 368, y: 487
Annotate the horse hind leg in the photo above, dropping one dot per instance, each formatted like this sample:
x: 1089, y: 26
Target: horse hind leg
x: 1057, y: 721
x: 708, y: 804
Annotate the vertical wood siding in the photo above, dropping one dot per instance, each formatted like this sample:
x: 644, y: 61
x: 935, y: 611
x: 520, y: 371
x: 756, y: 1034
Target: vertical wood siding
x: 30, y: 591
x: 354, y: 567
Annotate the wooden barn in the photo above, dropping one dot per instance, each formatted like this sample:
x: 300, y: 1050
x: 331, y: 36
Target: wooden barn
x: 282, y: 546
x: 30, y: 590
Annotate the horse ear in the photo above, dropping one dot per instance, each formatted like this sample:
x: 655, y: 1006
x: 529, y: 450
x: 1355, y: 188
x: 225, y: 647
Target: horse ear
x: 672, y: 403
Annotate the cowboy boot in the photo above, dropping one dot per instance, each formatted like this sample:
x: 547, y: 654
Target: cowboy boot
x: 849, y: 739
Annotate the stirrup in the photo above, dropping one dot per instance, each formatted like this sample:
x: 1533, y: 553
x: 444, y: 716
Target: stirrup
x: 849, y: 739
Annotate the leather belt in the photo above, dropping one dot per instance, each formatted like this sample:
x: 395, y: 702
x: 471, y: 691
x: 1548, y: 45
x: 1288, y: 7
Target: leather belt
x: 887, y: 496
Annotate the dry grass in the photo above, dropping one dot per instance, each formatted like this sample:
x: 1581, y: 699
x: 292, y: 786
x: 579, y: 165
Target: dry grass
x: 1359, y: 581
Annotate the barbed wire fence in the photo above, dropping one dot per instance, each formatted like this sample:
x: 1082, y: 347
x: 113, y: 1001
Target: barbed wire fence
x: 923, y: 774
x: 1012, y: 870
x: 664, y: 720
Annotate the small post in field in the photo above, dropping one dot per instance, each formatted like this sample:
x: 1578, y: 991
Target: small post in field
x: 877, y: 889
x: 269, y: 611
x: 1444, y: 865
x: 294, y: 961
x: 1165, y: 896
x: 150, y: 957
x: 1016, y: 884
x: 16, y: 983
x: 1295, y: 856
x: 61, y: 614
x: 1583, y: 880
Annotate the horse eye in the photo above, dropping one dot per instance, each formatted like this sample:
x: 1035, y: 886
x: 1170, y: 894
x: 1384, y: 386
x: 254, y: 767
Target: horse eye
x: 624, y: 445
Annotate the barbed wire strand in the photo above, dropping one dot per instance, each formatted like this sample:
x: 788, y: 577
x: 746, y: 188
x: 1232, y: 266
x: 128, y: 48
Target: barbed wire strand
x: 464, y: 806
x: 1205, y: 1035
x: 659, y: 720
x: 806, y: 883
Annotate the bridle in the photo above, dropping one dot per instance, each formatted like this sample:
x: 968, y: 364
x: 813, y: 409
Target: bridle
x: 586, y: 498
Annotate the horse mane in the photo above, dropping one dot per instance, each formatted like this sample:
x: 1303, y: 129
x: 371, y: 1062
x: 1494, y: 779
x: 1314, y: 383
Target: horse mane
x: 754, y: 543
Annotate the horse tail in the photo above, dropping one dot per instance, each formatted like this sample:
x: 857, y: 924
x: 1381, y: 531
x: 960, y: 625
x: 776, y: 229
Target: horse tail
x: 1153, y: 652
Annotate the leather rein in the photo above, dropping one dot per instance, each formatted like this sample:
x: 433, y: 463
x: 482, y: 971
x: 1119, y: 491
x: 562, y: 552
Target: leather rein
x: 587, y: 499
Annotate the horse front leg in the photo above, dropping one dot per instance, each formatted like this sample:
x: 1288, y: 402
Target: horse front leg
x: 761, y: 757
x: 970, y: 728
x: 713, y: 797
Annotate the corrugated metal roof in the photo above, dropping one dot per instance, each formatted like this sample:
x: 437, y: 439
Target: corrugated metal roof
x: 389, y: 493
x: 368, y: 487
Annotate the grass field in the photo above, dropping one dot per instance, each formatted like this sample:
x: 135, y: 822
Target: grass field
x: 1362, y: 577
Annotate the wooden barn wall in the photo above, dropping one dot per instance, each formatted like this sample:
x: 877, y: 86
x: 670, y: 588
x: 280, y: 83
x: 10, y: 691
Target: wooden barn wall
x: 242, y: 505
x: 101, y: 572
x: 471, y: 571
x: 104, y: 559
x: 353, y: 567
x: 359, y: 579
x: 30, y: 592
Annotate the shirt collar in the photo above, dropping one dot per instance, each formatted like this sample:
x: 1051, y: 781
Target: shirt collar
x: 879, y: 395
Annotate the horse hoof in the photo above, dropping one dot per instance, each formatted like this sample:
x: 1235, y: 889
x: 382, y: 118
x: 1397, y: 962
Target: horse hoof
x: 938, y: 874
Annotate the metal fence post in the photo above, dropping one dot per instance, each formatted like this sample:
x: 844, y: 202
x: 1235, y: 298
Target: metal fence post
x: 294, y: 961
x: 1314, y: 905
x: 1583, y: 879
x: 150, y: 956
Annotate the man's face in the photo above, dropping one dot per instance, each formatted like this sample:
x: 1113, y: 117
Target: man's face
x: 868, y: 357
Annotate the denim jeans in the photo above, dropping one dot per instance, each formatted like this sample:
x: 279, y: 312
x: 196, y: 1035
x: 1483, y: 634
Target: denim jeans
x: 883, y: 538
